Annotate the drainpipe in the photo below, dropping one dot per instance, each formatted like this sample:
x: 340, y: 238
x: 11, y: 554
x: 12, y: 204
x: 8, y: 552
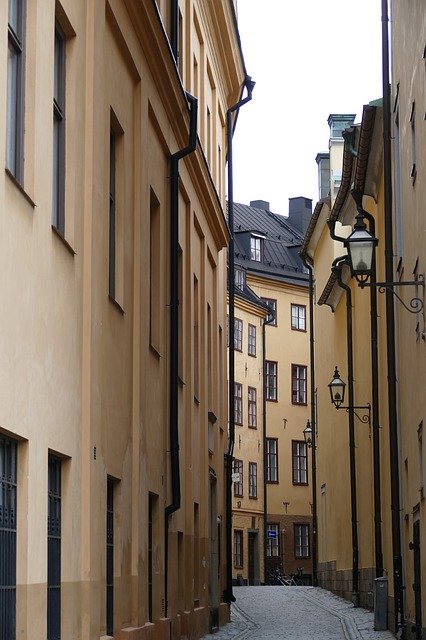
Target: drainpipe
x: 313, y: 425
x: 249, y: 86
x: 174, y: 29
x: 357, y: 196
x: 265, y: 462
x: 337, y: 269
x: 174, y: 327
x: 390, y: 335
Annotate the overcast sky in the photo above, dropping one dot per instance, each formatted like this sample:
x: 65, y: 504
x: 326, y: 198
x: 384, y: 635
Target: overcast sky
x: 308, y: 58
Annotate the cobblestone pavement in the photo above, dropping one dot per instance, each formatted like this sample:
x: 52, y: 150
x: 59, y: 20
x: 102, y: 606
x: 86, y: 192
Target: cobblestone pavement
x: 296, y: 613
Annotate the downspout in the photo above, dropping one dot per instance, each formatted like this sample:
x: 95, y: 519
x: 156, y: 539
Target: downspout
x: 248, y: 85
x: 174, y: 29
x: 174, y: 327
x: 390, y: 334
x: 265, y: 463
x: 313, y: 425
x: 357, y: 196
x: 351, y: 420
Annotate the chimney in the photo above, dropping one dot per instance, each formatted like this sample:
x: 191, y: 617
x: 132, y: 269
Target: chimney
x: 299, y: 213
x: 323, y: 162
x: 260, y: 204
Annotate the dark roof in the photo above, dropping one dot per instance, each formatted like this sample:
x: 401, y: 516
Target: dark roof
x: 281, y: 244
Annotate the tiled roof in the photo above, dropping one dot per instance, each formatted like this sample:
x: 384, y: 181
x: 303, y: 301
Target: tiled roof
x: 281, y: 244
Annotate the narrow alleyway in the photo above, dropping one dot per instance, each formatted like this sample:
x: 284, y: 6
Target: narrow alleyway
x: 296, y: 613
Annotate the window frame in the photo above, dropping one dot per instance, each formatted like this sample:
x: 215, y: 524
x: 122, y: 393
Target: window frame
x: 298, y: 548
x: 238, y: 467
x: 296, y: 306
x: 268, y: 376
x: 269, y: 456
x: 59, y: 130
x: 298, y: 470
x: 54, y: 545
x: 239, y: 279
x: 252, y: 403
x: 15, y: 95
x: 271, y: 302
x: 238, y: 334
x: 295, y: 384
x: 238, y: 547
x: 273, y: 543
x: 238, y: 402
x: 8, y: 531
x: 251, y: 340
x: 253, y: 480
x: 256, y: 248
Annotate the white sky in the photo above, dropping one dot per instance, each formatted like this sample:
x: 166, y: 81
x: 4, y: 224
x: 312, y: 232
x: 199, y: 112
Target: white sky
x: 309, y: 58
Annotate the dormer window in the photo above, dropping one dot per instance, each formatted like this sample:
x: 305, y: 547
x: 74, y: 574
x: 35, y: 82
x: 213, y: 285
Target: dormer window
x: 239, y: 278
x: 256, y: 247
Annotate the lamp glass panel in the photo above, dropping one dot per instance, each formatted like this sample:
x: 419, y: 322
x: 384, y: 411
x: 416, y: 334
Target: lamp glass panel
x: 360, y: 245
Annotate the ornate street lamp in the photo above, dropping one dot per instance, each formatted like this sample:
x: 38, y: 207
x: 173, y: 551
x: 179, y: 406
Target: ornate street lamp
x: 360, y: 245
x: 337, y: 389
x: 307, y: 434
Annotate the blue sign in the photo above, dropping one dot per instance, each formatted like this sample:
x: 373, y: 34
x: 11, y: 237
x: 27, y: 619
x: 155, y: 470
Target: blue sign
x: 271, y: 534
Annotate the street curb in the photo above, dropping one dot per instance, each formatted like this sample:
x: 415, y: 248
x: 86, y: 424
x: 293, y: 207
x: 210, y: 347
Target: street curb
x: 348, y: 623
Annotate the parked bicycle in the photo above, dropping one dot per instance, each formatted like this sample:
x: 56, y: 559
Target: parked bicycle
x: 275, y: 576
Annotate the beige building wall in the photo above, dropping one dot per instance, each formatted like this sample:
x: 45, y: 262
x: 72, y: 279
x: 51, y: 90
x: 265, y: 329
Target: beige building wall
x: 248, y: 511
x: 288, y: 504
x: 86, y: 371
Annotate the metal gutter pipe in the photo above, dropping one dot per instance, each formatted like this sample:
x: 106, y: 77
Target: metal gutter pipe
x: 351, y: 420
x: 313, y: 425
x: 174, y: 326
x: 390, y: 334
x: 174, y: 31
x: 249, y: 86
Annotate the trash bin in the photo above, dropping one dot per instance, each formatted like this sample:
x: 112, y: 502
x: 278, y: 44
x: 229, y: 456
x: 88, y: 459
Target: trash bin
x: 381, y: 603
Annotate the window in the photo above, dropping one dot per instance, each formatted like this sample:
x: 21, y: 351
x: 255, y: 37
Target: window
x: 413, y: 171
x: 239, y: 278
x: 155, y: 315
x: 238, y: 486
x: 298, y: 384
x: 301, y: 541
x: 256, y: 248
x: 8, y: 494
x: 298, y: 317
x: 271, y: 317
x: 300, y: 462
x: 110, y: 557
x: 271, y: 460
x: 58, y: 178
x: 252, y: 479
x: 271, y: 380
x: 112, y: 211
x: 252, y: 407
x: 54, y: 549
x: 15, y: 90
x: 273, y: 542
x: 238, y: 334
x: 238, y: 549
x: 252, y: 340
x: 238, y: 403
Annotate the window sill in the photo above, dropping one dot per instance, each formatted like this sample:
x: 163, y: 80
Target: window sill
x: 116, y: 304
x: 20, y: 188
x: 67, y: 245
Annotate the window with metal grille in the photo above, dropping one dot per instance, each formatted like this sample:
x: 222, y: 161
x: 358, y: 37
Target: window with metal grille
x: 15, y: 90
x: 298, y: 317
x: 238, y: 403
x: 238, y: 486
x: 271, y: 460
x: 8, y: 495
x: 238, y: 548
x: 301, y: 541
x: 298, y: 384
x: 271, y: 380
x: 252, y: 340
x: 300, y: 462
x: 273, y: 541
x: 110, y: 557
x: 238, y: 334
x: 58, y: 195
x: 252, y: 407
x: 54, y: 549
x: 252, y: 479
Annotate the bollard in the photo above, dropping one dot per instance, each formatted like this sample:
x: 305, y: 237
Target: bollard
x: 381, y: 603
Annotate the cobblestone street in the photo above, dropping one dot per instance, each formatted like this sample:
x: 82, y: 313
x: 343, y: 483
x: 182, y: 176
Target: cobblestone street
x: 296, y: 613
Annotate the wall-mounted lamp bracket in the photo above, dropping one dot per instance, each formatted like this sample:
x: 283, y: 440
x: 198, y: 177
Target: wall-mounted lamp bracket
x: 365, y: 418
x: 416, y: 304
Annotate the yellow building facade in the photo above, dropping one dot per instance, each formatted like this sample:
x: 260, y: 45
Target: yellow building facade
x: 113, y: 408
